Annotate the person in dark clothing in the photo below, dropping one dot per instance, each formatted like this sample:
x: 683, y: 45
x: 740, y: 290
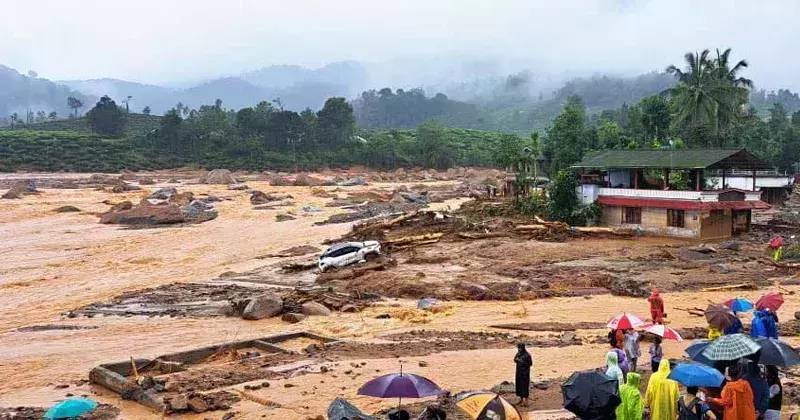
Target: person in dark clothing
x: 735, y: 327
x: 758, y: 384
x: 775, y: 394
x: 522, y: 379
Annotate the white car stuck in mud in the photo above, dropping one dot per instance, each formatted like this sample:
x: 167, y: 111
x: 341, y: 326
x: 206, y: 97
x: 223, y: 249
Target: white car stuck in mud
x: 346, y: 253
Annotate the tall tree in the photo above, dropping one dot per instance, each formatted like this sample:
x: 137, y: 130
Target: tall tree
x: 435, y: 147
x: 336, y: 123
x: 567, y: 139
x: 106, y: 117
x: 74, y: 104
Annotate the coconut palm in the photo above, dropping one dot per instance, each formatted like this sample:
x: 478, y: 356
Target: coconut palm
x: 692, y: 95
x: 709, y: 92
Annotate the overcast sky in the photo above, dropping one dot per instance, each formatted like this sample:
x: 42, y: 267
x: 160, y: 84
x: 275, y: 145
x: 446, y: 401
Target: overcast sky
x: 161, y: 41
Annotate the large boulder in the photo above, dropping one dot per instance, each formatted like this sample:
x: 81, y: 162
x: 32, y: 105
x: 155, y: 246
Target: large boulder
x: 182, y: 199
x: 279, y: 181
x: 219, y: 177
x: 163, y: 193
x: 263, y: 306
x: 314, y: 309
x: 306, y: 180
x: 198, y: 212
x: 145, y: 214
x: 259, y: 197
x: 20, y: 189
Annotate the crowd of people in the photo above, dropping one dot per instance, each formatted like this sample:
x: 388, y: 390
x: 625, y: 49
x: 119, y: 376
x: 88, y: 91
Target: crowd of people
x: 749, y: 391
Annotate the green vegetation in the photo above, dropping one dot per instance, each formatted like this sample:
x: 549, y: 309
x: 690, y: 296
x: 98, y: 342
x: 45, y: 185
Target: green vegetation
x: 703, y: 104
x: 68, y: 151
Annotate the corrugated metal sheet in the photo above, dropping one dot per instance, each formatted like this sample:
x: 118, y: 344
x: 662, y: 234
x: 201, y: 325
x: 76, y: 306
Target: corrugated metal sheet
x: 678, y: 159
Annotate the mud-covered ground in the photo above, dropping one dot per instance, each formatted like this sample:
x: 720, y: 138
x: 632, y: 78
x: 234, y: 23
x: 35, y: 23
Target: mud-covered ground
x: 75, y: 293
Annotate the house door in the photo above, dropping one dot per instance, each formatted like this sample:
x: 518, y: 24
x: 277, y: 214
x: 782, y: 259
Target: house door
x: 716, y: 225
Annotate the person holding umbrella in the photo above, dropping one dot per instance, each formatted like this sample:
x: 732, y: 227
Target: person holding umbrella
x: 758, y: 327
x: 735, y: 327
x: 632, y: 350
x: 522, y: 377
x: 737, y: 397
x: 656, y: 353
x: 662, y: 394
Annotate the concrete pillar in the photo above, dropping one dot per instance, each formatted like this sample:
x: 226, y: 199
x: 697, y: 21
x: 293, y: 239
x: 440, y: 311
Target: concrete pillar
x: 723, y: 178
x: 697, y: 179
x: 754, y: 179
x: 666, y: 178
x: 635, y: 179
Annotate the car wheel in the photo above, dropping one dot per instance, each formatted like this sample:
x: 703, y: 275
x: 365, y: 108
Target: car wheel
x: 372, y: 256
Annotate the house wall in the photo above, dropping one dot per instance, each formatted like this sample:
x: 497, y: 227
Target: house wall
x: 654, y: 221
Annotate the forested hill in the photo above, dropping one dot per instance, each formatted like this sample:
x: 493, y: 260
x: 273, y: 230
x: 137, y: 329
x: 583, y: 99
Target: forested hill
x: 21, y: 94
x: 510, y: 109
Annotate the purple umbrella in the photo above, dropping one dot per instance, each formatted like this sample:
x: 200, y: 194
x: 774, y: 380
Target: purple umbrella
x: 400, y: 385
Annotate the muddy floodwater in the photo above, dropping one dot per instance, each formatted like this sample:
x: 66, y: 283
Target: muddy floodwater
x: 53, y: 263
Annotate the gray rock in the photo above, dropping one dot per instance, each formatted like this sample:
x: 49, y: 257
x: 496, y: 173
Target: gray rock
x: 314, y: 309
x: 732, y: 245
x: 263, y: 306
x: 238, y: 187
x: 163, y: 193
x: 504, y: 387
x: 567, y: 337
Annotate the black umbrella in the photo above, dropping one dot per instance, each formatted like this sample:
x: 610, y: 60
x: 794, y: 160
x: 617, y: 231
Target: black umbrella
x: 776, y: 352
x: 591, y: 394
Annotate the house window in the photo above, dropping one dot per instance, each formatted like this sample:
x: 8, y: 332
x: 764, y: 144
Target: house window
x: 632, y: 215
x: 675, y: 218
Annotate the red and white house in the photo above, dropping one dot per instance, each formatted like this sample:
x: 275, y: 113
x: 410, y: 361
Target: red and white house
x: 677, y: 192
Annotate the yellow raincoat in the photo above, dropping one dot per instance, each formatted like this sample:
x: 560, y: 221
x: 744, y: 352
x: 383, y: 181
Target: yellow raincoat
x: 662, y: 394
x: 631, y: 406
x: 713, y: 333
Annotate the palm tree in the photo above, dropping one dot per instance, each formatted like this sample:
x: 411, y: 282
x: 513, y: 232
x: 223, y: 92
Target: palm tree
x: 692, y: 94
x: 709, y: 92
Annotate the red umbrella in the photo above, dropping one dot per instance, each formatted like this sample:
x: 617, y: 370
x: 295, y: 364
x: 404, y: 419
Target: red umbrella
x: 663, y: 331
x: 771, y: 301
x: 625, y: 321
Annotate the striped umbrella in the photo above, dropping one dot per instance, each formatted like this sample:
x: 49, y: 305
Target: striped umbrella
x: 731, y: 347
x: 482, y: 405
x: 625, y: 321
x: 663, y: 331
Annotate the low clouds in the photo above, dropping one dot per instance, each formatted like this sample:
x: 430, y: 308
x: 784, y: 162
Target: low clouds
x: 160, y: 41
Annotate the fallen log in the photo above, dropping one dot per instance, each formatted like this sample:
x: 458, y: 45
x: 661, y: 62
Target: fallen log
x: 531, y: 227
x: 740, y: 286
x: 399, y: 219
x: 468, y: 235
x: 605, y: 230
x: 414, y: 239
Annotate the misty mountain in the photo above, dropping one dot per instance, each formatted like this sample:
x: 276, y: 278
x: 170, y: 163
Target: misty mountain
x: 19, y: 93
x: 142, y: 94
